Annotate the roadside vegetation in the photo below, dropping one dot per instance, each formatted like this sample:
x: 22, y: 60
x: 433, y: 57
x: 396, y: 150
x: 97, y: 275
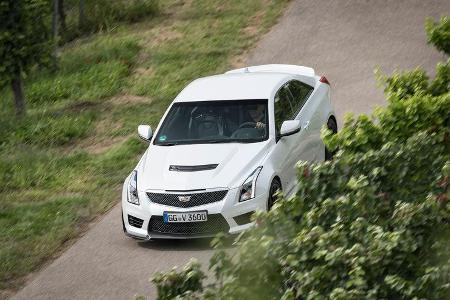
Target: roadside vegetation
x: 63, y: 162
x: 371, y: 224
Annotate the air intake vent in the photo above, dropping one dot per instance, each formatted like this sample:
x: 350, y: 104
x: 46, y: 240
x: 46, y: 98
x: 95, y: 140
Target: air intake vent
x: 192, y: 168
x: 244, y: 219
x: 135, y: 222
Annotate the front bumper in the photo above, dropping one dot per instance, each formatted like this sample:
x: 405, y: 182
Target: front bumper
x: 221, y: 214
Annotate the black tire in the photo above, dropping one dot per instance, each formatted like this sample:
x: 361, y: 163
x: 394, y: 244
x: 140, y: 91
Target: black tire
x: 275, y: 186
x: 331, y: 124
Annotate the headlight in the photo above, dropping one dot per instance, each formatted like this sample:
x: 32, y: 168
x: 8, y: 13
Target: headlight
x: 132, y: 189
x: 249, y: 186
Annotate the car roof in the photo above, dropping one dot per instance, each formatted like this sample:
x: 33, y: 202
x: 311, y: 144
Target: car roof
x: 233, y: 86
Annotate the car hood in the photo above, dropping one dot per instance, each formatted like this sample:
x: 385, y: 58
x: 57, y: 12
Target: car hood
x: 235, y: 161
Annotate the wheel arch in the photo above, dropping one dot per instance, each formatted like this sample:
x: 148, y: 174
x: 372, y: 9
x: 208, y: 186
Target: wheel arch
x: 332, y: 117
x: 277, y: 178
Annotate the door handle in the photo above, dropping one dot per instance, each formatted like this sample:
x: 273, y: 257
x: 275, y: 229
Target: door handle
x: 306, y: 125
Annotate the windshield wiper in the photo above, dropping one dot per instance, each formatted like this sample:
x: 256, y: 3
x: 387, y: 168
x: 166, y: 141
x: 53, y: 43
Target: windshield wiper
x: 242, y: 141
x: 213, y: 142
x: 168, y: 144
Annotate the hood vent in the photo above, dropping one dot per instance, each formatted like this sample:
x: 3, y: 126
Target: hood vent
x: 192, y: 168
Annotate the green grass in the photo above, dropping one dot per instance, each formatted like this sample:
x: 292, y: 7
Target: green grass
x: 63, y: 164
x: 103, y: 15
x: 89, y: 71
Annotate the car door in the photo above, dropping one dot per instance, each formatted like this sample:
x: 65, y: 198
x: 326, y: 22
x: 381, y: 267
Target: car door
x: 303, y: 110
x: 285, y: 155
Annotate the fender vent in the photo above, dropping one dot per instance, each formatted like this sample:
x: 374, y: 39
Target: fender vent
x: 192, y: 168
x: 135, y: 222
x: 244, y: 218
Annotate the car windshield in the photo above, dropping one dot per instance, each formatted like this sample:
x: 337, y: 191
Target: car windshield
x: 244, y: 121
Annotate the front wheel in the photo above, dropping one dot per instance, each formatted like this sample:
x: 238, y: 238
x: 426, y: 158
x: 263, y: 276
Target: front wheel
x: 331, y: 124
x: 275, y: 186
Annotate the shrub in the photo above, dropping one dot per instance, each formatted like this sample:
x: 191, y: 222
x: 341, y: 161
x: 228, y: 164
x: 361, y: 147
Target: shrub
x: 175, y: 283
x: 403, y: 119
x: 402, y: 85
x: 441, y: 83
x: 439, y: 33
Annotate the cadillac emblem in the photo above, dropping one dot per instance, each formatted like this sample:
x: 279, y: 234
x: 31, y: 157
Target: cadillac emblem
x: 184, y: 198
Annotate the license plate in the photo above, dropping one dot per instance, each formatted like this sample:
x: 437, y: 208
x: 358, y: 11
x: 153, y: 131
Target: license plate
x: 185, y: 217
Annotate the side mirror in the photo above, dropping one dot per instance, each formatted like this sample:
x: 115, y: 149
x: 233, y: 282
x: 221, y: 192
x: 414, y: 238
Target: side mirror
x: 145, y: 132
x: 289, y: 127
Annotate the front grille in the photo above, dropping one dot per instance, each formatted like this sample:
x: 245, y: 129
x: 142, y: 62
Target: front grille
x: 194, y: 200
x: 216, y: 223
x: 135, y: 222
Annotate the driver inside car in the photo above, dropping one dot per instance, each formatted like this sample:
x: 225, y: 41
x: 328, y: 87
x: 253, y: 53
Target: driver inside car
x: 256, y: 113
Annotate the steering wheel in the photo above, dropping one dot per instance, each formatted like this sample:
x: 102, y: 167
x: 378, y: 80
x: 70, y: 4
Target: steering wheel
x: 247, y: 125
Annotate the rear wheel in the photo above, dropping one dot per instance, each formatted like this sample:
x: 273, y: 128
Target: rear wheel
x: 331, y: 124
x: 275, y: 186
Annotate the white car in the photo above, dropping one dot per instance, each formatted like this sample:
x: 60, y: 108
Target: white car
x: 224, y: 147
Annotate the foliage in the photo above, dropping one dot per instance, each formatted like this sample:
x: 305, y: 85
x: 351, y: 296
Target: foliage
x: 371, y: 224
x: 404, y: 84
x: 403, y: 119
x: 176, y: 283
x: 401, y: 85
x: 441, y: 83
x: 439, y: 33
x: 24, y: 37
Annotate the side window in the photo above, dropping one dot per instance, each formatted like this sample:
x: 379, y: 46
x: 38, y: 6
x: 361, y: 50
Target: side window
x: 283, y: 107
x: 300, y: 93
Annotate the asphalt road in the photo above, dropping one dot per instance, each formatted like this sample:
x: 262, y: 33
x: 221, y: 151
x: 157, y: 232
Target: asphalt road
x: 343, y: 40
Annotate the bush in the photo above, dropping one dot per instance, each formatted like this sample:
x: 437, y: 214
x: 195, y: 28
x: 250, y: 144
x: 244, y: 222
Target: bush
x: 439, y: 33
x: 175, y: 283
x: 402, y: 119
x: 441, y: 83
x: 371, y: 224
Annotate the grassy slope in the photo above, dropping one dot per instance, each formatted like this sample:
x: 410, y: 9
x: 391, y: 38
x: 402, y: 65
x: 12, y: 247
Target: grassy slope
x: 63, y: 165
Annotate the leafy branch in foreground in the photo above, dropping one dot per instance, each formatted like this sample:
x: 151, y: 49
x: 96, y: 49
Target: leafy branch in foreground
x: 439, y: 33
